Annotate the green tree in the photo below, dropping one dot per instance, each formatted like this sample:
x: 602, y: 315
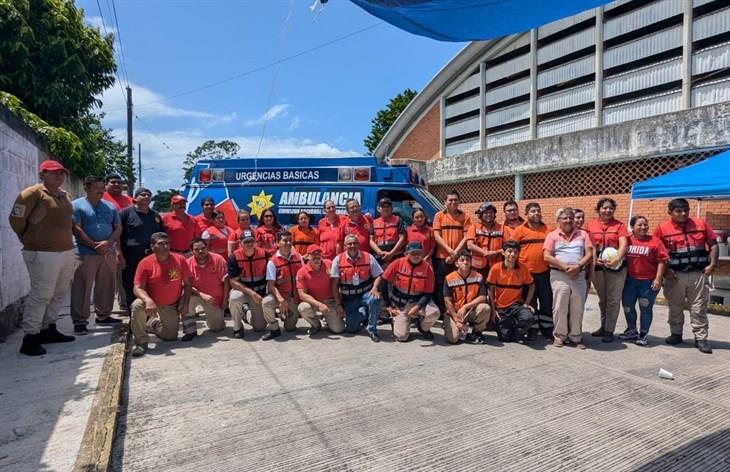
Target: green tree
x: 161, y: 200
x: 209, y: 150
x: 385, y: 118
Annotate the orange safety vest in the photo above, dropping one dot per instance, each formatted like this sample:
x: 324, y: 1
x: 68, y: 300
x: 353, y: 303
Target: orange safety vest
x: 410, y: 282
x: 385, y: 233
x: 464, y: 290
x: 286, y: 274
x: 303, y: 238
x: 489, y: 240
x: 253, y: 269
x: 348, y: 268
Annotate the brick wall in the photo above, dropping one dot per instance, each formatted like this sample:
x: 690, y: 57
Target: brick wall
x: 422, y: 142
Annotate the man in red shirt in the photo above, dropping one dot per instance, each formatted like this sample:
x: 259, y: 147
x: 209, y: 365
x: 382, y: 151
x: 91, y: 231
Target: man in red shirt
x: 180, y: 227
x: 315, y: 291
x: 162, y: 287
x: 114, y: 195
x: 692, y: 248
x: 209, y: 278
x: 356, y: 223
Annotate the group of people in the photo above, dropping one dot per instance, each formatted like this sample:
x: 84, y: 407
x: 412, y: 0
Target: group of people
x: 521, y: 277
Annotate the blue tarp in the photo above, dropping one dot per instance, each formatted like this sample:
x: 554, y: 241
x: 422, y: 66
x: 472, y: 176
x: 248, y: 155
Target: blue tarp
x: 472, y: 20
x: 707, y: 179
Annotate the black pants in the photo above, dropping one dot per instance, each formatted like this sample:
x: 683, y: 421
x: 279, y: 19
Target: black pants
x: 543, y: 303
x: 514, y: 321
x: 441, y: 269
x: 132, y: 260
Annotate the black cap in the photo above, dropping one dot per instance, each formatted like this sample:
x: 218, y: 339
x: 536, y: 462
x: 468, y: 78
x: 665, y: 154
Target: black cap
x: 385, y: 201
x: 247, y: 234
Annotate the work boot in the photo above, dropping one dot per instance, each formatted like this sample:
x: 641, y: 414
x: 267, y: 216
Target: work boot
x: 607, y: 337
x: 673, y: 339
x: 81, y: 329
x: 189, y: 336
x: 476, y: 337
x: 271, y: 335
x: 374, y: 336
x: 108, y: 320
x: 32, y: 346
x: 51, y: 335
x: 139, y: 350
x: 238, y: 334
x: 598, y: 333
x: 427, y: 334
x: 703, y: 345
x: 532, y: 334
x: 313, y: 330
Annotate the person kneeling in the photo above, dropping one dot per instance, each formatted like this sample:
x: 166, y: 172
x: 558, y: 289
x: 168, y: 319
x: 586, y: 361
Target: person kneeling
x: 411, y: 281
x: 507, y: 281
x: 162, y: 287
x: 209, y: 275
x: 465, y: 297
x: 315, y: 291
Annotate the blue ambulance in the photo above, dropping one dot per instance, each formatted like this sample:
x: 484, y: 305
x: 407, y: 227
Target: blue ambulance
x: 288, y: 185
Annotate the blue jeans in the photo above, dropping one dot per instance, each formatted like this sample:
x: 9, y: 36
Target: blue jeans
x: 638, y: 290
x: 355, y: 313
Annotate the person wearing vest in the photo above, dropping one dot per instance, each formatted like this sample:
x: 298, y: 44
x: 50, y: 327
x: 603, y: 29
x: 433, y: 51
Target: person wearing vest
x: 485, y: 239
x: 450, y: 228
x: 162, y: 286
x: 315, y: 292
x: 356, y: 277
x: 388, y: 234
x: 531, y: 237
x: 512, y: 218
x: 692, y: 248
x: 303, y: 235
x: 180, y: 227
x: 609, y: 276
x: 569, y: 251
x: 217, y: 234
x: 41, y: 217
x: 210, y: 288
x: 356, y: 223
x: 281, y: 283
x: 421, y: 232
x: 247, y: 276
x: 329, y: 230
x: 465, y: 296
x: 408, y: 295
x: 507, y: 283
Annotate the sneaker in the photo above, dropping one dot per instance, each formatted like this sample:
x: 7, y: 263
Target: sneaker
x: 598, y: 333
x: 271, y: 335
x: 189, y: 337
x: 629, y: 335
x: 374, y: 336
x: 703, y: 345
x: 32, y: 346
x: 51, y: 335
x: 81, y: 329
x: 673, y: 339
x: 238, y: 334
x: 427, y: 335
x: 475, y: 337
x: 607, y: 337
x: 642, y: 340
x: 153, y: 325
x: 139, y: 350
x: 313, y: 330
x: 109, y: 320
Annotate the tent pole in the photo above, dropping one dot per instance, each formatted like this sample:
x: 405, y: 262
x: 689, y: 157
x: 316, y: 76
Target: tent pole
x: 631, y: 209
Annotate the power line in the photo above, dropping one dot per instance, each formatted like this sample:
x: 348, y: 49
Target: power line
x: 119, y: 37
x: 149, y: 129
x: 264, y: 67
x: 116, y: 73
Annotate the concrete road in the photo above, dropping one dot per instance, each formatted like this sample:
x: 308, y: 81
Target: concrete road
x: 339, y: 403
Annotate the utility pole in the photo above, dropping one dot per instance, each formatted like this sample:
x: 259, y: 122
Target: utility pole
x: 139, y: 162
x: 130, y: 159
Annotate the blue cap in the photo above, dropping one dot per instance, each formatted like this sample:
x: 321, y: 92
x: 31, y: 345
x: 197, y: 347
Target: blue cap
x: 414, y: 246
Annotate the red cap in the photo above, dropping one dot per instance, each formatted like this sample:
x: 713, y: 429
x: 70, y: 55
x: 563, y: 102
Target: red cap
x: 51, y: 166
x: 313, y: 248
x: 177, y: 199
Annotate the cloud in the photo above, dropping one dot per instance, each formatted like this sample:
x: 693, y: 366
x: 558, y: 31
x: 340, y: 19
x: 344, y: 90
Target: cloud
x: 279, y: 110
x: 295, y: 123
x: 163, y: 153
x: 98, y: 22
x: 114, y: 105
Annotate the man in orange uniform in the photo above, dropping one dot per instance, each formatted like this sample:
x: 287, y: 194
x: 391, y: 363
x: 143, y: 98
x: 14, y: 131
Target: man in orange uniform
x: 356, y: 223
x: 162, y: 287
x: 411, y: 284
x: 465, y: 296
x: 531, y: 237
x: 449, y: 229
x: 485, y: 239
x: 247, y: 276
x: 388, y: 233
x: 315, y: 291
x: 180, y: 227
x: 209, y: 278
x: 512, y: 218
x: 507, y: 282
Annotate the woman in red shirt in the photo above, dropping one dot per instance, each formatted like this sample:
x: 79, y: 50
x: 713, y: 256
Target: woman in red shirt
x: 266, y: 232
x: 610, y: 275
x: 329, y: 230
x: 646, y: 259
x: 421, y: 232
x: 217, y: 234
x: 244, y: 223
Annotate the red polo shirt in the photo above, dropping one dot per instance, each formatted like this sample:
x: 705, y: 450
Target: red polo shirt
x: 318, y: 284
x: 162, y: 280
x: 329, y: 234
x: 120, y: 202
x: 181, y: 232
x: 361, y: 229
x: 209, y: 277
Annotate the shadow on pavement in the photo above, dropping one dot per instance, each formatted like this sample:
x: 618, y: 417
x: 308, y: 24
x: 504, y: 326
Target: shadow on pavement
x: 709, y: 453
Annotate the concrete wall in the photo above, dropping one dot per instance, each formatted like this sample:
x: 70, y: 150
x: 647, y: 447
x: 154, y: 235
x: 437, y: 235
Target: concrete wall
x: 21, y: 150
x: 688, y: 130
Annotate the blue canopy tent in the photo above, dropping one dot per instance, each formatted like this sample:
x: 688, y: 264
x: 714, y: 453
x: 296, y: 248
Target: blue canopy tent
x: 708, y: 179
x: 472, y: 20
